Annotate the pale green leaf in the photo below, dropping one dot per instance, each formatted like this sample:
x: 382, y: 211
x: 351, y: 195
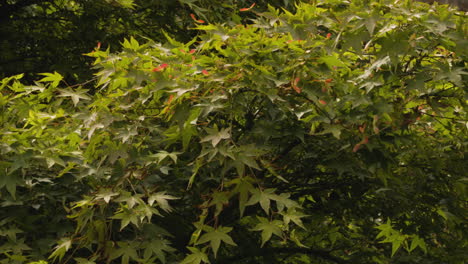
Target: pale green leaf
x: 268, y: 229
x: 215, y: 237
x: 162, y: 199
x: 54, y: 78
x: 196, y: 257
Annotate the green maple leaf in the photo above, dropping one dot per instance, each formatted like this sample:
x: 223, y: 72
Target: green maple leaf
x: 75, y: 95
x: 196, y: 257
x: 106, y: 195
x: 262, y: 197
x: 243, y: 187
x: 215, y: 236
x: 127, y: 133
x: 219, y: 200
x: 130, y: 200
x: 378, y: 63
x: 294, y: 216
x: 161, y: 198
x: 158, y: 247
x: 11, y: 233
x: 62, y: 247
x: 126, y: 216
x: 283, y: 201
x: 54, y: 78
x: 386, y: 229
x: 164, y: 154
x: 418, y: 242
x: 127, y: 250
x: 9, y: 181
x: 215, y: 135
x: 268, y: 229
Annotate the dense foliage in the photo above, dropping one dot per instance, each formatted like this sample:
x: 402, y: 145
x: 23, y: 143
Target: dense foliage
x: 51, y: 35
x: 333, y: 134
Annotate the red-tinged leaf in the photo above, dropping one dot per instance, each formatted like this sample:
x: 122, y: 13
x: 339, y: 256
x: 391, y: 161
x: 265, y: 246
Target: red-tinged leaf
x: 171, y: 97
x: 362, y: 128
x: 248, y: 8
x: 160, y: 67
x: 297, y: 89
x: 98, y: 45
x: 192, y: 51
x: 322, y: 102
x: 357, y: 147
x: 294, y: 85
x: 296, y: 81
x: 365, y: 140
x: 197, y: 20
x: 329, y: 35
x: 205, y: 72
x: 329, y: 80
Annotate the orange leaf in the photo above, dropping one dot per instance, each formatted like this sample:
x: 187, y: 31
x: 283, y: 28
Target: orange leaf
x: 197, y: 20
x: 329, y: 35
x: 98, y: 45
x: 329, y: 80
x: 247, y: 9
x: 205, y: 72
x: 322, y: 102
x: 192, y: 51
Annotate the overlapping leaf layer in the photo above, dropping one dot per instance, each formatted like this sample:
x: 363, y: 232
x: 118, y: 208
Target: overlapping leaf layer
x: 336, y: 134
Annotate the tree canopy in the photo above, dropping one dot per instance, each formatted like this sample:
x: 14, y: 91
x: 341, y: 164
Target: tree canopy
x: 334, y: 133
x: 51, y: 35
